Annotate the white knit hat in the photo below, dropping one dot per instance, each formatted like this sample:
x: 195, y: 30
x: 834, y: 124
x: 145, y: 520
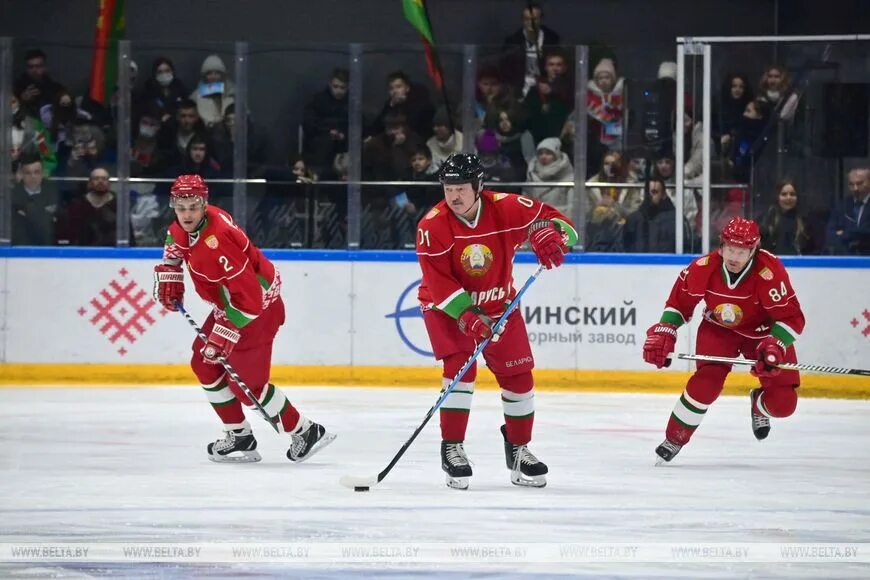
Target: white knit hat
x: 668, y: 70
x: 605, y: 65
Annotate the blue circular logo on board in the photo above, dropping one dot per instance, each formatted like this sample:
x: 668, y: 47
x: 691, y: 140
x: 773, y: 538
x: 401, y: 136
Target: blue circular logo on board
x: 407, y: 312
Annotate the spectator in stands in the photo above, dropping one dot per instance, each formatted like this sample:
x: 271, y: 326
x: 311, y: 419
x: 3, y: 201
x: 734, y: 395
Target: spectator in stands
x: 849, y: 224
x: 652, y: 227
x: 658, y: 111
x: 387, y: 157
x: 551, y: 165
x: 30, y: 137
x: 622, y: 200
x: 514, y: 141
x: 664, y: 168
x: 215, y: 91
x: 606, y: 110
x: 775, y: 88
x: 422, y: 198
x: 491, y: 94
x: 60, y: 116
x: 693, y: 149
x: 446, y: 139
x: 90, y: 219
x: 199, y: 160
x: 497, y: 166
x: 746, y: 141
x: 223, y: 138
x: 410, y: 101
x: 35, y: 205
x: 784, y: 230
x: 551, y: 101
x: 523, y: 50
x: 88, y: 152
x: 163, y: 90
x: 175, y: 135
x: 325, y: 121
x: 146, y: 158
x: 35, y: 87
x: 735, y: 95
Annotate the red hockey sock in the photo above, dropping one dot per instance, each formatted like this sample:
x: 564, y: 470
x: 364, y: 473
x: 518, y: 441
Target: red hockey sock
x: 457, y: 406
x: 778, y: 401
x: 225, y: 403
x: 701, y: 391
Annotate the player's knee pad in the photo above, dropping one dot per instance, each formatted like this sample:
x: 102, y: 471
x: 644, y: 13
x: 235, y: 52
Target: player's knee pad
x: 517, y: 395
x: 780, y: 401
x: 705, y: 385
x: 453, y: 364
x: 206, y: 374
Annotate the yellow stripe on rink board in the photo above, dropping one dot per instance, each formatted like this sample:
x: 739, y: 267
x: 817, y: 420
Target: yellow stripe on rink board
x: 12, y: 375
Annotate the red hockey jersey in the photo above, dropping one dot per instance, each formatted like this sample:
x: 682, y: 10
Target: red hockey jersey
x: 227, y: 270
x: 468, y: 264
x: 759, y: 303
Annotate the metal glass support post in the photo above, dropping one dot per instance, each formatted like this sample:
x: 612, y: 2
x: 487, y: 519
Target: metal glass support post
x: 679, y: 145
x: 354, y: 144
x: 705, y: 191
x: 469, y: 88
x: 581, y: 201
x: 122, y: 224
x: 5, y: 141
x: 240, y: 143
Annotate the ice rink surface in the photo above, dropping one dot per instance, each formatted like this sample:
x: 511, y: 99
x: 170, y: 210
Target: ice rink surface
x: 129, y: 465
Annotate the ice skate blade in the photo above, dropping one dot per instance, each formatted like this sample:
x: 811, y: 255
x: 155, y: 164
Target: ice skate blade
x: 457, y: 482
x: 517, y: 478
x: 245, y: 457
x: 321, y: 443
x: 660, y: 461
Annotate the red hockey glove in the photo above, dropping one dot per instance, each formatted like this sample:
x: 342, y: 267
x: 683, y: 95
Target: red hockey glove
x: 220, y: 343
x: 476, y: 324
x: 168, y: 285
x: 546, y: 240
x: 661, y: 338
x: 770, y: 352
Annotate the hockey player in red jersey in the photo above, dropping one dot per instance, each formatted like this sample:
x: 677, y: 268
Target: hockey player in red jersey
x: 466, y: 246
x: 751, y: 309
x: 243, y: 288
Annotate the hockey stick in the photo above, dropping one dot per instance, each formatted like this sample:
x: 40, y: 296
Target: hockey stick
x: 230, y: 371
x: 786, y: 366
x: 364, y: 483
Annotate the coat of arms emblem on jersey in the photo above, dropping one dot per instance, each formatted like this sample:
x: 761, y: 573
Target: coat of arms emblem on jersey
x: 476, y: 259
x: 728, y: 314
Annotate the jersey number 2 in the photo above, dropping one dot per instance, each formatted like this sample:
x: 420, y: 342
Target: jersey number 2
x: 225, y: 263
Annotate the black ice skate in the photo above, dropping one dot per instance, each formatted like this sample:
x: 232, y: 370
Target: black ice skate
x: 667, y: 451
x: 526, y: 469
x: 309, y: 439
x: 455, y: 464
x: 760, y: 423
x: 236, y: 446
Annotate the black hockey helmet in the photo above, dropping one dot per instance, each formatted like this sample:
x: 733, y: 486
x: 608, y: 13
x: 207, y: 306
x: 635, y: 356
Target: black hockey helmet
x: 462, y: 168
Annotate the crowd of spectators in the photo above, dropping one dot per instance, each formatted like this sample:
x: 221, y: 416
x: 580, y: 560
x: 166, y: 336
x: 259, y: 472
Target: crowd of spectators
x: 524, y: 129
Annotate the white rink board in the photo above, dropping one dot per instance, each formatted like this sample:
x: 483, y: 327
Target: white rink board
x: 345, y: 313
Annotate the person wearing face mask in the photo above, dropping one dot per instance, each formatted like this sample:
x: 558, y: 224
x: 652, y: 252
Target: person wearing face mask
x: 163, y: 90
x: 784, y: 230
x: 60, y: 116
x: 90, y: 220
x: 775, y: 88
x: 146, y: 158
x: 215, y: 91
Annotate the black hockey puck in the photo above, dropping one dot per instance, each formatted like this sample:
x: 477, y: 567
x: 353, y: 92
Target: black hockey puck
x: 361, y: 488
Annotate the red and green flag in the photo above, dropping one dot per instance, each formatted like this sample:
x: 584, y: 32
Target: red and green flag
x: 415, y: 13
x: 104, y: 64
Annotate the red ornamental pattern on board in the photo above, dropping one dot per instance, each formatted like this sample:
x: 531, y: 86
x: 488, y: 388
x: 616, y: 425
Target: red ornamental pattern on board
x: 122, y: 311
x: 855, y: 322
